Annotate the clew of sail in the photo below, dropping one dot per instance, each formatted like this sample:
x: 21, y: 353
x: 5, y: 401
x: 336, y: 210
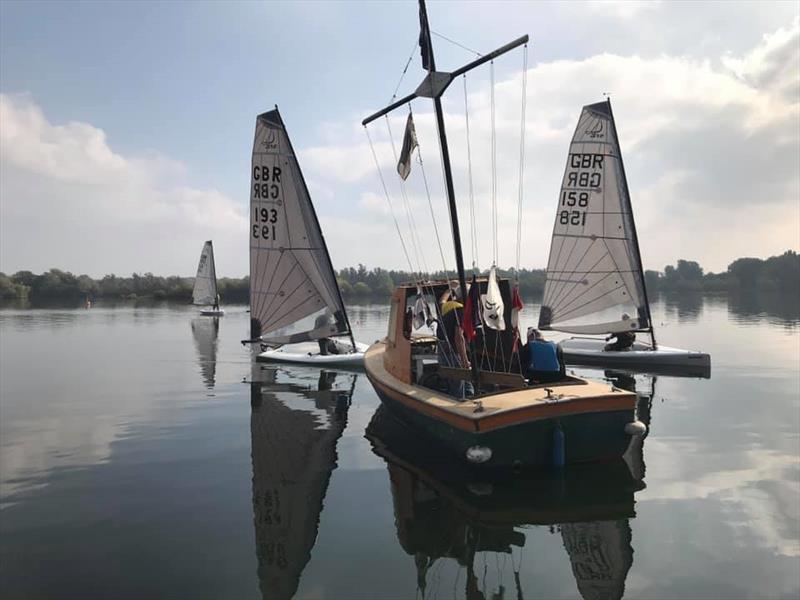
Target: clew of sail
x: 205, y: 282
x: 291, y: 276
x: 594, y: 280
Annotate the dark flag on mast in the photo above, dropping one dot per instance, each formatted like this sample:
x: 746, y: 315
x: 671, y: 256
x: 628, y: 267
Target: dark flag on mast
x: 409, y: 143
x: 424, y: 38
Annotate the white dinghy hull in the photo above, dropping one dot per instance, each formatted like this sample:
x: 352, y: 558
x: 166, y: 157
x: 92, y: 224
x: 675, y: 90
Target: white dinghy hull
x: 308, y: 354
x: 640, y: 357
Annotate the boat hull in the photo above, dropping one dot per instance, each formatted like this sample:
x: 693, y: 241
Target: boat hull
x: 640, y: 358
x: 308, y: 354
x: 212, y: 313
x: 594, y: 428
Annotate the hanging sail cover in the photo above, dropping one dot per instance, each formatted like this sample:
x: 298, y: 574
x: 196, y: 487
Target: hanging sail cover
x: 291, y: 276
x: 492, y: 303
x: 594, y: 276
x: 205, y: 282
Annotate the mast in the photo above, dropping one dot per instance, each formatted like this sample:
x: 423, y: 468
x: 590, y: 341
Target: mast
x: 633, y: 226
x: 321, y: 235
x: 433, y: 86
x: 214, y: 269
x: 425, y: 38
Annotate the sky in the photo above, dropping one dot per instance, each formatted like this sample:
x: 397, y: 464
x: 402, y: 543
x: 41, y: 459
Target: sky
x: 126, y: 128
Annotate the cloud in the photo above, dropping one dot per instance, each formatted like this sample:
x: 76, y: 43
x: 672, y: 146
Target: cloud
x: 711, y: 148
x: 68, y: 200
x: 707, y: 146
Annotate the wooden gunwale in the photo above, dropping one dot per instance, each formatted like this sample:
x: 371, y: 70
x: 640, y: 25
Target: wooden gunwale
x: 499, y: 410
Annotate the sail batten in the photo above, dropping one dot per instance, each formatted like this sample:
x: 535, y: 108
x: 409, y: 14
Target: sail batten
x: 204, y: 292
x: 594, y: 274
x: 291, y: 275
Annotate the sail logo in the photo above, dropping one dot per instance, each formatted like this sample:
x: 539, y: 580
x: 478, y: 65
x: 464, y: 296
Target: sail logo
x: 597, y: 131
x: 271, y: 143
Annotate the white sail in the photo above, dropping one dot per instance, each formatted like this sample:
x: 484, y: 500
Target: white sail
x: 492, y: 303
x: 594, y: 274
x: 291, y: 276
x: 205, y: 282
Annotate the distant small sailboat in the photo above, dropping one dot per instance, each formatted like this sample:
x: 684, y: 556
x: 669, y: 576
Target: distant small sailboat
x: 595, y: 280
x: 205, y: 283
x: 294, y: 296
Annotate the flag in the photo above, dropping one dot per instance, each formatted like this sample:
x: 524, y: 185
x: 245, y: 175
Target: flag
x: 426, y: 50
x: 516, y: 308
x: 472, y: 316
x: 493, y: 307
x: 409, y: 143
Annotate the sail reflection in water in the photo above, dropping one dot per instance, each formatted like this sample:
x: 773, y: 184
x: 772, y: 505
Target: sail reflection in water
x: 445, y: 510
x: 297, y: 417
x: 206, y: 331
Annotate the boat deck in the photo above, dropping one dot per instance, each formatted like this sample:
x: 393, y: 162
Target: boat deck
x: 498, y: 410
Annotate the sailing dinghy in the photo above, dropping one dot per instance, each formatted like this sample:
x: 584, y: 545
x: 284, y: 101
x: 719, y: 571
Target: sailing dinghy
x: 296, y: 306
x: 205, y: 283
x: 595, y: 283
x: 510, y: 421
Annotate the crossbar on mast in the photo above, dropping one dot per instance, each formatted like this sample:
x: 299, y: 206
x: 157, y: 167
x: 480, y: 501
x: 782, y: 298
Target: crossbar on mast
x: 468, y: 67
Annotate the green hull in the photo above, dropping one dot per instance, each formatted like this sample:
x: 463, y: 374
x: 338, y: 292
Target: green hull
x: 588, y: 437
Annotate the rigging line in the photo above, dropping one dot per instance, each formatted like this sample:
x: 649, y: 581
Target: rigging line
x: 494, y: 170
x: 388, y: 200
x: 430, y: 202
x: 472, y: 224
x: 405, y: 69
x: 412, y: 225
x: 522, y: 153
x: 437, y: 34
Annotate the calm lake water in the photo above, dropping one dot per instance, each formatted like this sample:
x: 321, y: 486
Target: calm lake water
x: 139, y: 460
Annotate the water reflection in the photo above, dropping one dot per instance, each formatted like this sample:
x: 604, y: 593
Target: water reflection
x: 297, y: 417
x: 775, y: 307
x: 443, y: 510
x: 206, y: 331
x: 645, y: 389
x: 688, y: 306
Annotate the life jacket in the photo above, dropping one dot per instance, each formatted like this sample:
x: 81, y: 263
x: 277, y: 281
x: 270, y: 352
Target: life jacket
x: 543, y: 356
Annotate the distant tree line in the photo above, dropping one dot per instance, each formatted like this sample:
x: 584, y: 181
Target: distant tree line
x: 64, y: 286
x: 776, y: 273
x: 780, y: 273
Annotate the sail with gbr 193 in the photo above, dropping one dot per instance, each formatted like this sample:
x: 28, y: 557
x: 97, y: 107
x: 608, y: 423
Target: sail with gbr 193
x: 294, y: 296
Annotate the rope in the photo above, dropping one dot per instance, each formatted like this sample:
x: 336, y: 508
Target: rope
x: 430, y: 203
x: 437, y: 34
x: 409, y: 214
x: 494, y: 171
x: 389, y: 200
x: 472, y: 224
x: 405, y: 69
x: 522, y: 154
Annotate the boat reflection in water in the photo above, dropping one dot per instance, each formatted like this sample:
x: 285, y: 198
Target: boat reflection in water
x: 444, y: 509
x: 205, y: 331
x: 297, y: 417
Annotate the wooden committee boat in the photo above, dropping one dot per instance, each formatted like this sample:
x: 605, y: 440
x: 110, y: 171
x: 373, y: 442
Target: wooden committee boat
x: 510, y: 421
